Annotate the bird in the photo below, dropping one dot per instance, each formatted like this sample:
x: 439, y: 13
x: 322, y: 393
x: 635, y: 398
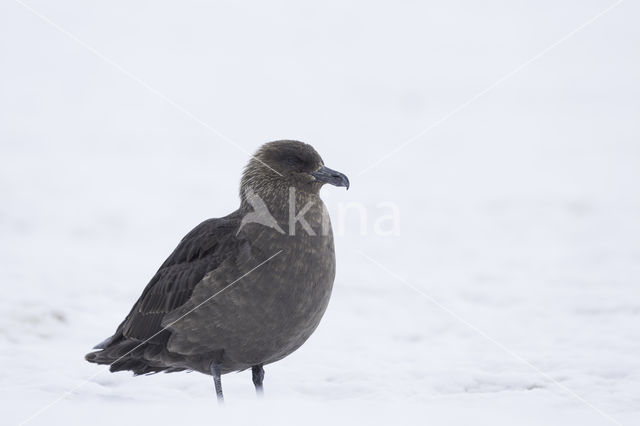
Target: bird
x: 244, y: 290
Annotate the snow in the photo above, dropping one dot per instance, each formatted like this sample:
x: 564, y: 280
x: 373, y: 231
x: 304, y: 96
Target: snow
x: 509, y: 293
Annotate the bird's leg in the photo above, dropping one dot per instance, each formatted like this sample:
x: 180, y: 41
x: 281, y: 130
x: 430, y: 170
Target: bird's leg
x: 258, y: 376
x: 216, y: 373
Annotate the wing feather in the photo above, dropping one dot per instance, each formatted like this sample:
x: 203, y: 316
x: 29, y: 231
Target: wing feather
x: 202, y: 250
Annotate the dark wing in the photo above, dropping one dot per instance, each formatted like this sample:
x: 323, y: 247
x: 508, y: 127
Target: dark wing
x: 202, y: 250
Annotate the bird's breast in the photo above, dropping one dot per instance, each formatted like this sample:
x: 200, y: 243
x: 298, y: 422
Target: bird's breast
x: 280, y: 292
x: 290, y: 293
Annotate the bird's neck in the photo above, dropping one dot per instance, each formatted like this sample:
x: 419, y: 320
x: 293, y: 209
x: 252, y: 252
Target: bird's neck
x: 292, y: 209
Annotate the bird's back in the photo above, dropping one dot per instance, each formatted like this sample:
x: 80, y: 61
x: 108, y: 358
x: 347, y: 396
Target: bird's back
x: 140, y: 341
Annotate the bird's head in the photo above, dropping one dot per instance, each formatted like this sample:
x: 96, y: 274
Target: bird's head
x: 282, y: 164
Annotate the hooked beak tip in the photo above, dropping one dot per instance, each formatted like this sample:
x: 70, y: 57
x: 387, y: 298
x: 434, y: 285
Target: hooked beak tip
x: 333, y: 177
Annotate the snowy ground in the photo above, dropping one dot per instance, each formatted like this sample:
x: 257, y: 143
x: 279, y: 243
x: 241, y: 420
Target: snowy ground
x: 509, y: 296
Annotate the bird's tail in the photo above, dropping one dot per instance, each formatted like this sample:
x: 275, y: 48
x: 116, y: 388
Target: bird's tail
x: 131, y: 355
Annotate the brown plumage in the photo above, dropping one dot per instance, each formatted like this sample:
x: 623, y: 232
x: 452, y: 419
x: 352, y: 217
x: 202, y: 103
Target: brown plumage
x: 240, y: 291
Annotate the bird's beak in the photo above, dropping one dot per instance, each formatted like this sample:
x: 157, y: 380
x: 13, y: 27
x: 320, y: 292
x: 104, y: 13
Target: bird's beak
x: 327, y: 175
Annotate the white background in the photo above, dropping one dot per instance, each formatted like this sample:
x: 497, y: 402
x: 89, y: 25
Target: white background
x: 519, y: 213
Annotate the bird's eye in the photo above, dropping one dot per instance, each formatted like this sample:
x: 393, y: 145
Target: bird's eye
x: 297, y: 163
x: 293, y: 161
